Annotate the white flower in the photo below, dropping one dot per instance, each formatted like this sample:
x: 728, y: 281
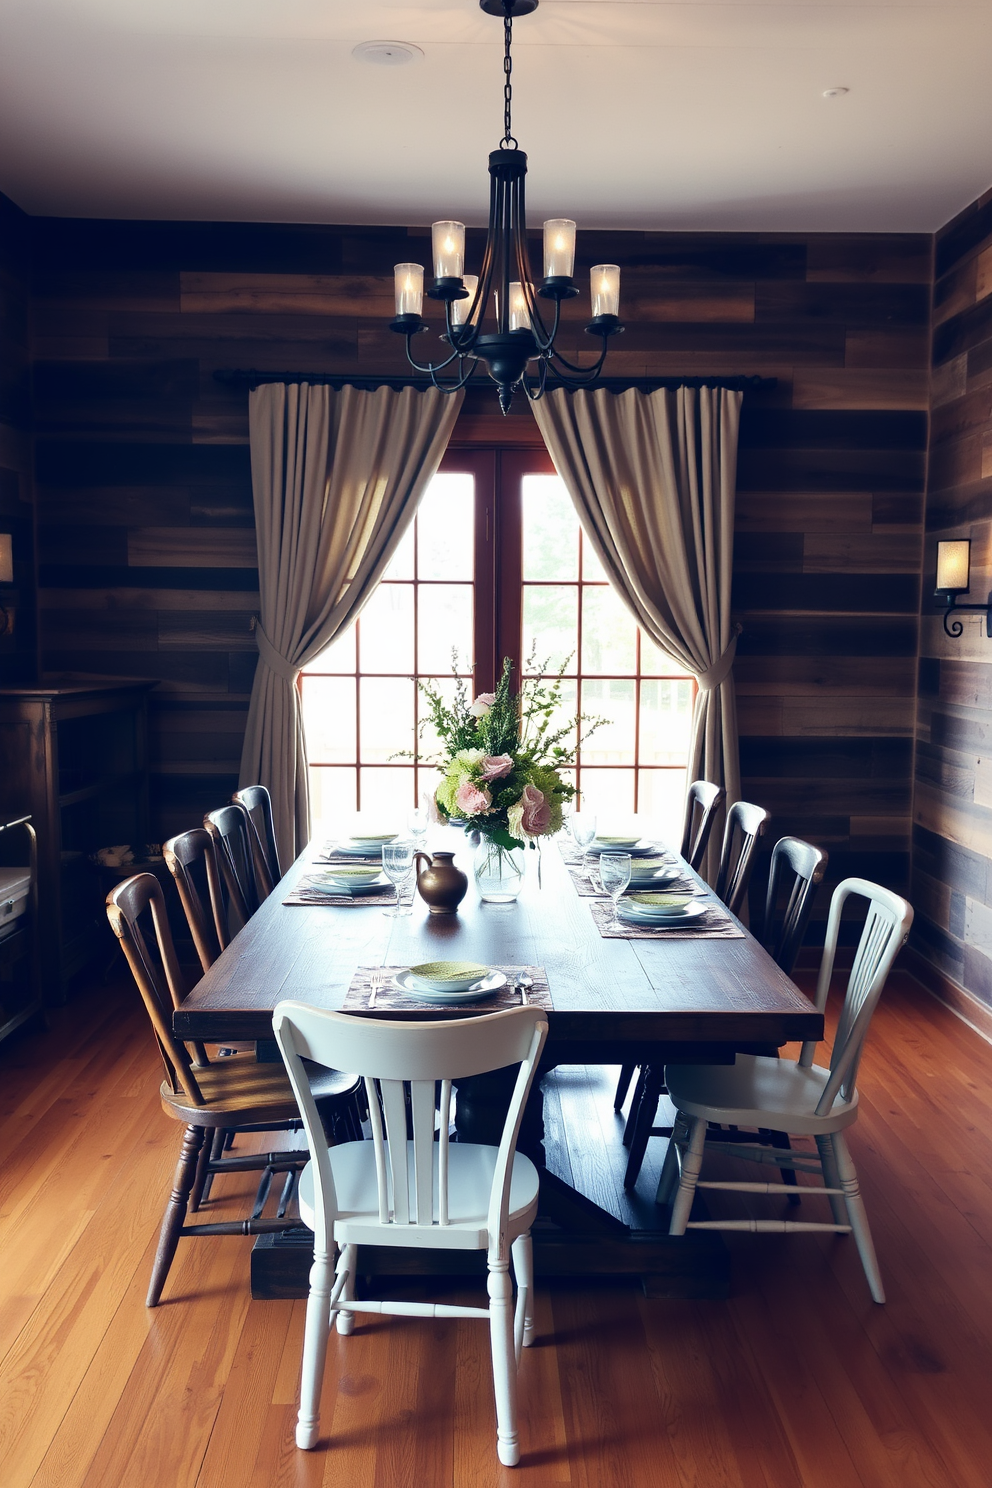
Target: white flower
x: 479, y: 709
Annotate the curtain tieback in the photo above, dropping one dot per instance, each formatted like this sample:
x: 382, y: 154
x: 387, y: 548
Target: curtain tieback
x: 711, y: 679
x: 272, y: 658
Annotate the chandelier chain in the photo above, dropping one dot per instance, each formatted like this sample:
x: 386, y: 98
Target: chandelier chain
x: 507, y: 142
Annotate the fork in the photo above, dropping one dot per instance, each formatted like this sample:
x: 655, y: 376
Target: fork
x: 377, y: 980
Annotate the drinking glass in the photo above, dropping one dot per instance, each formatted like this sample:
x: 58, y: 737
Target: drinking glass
x: 614, y: 875
x: 583, y: 828
x: 397, y: 864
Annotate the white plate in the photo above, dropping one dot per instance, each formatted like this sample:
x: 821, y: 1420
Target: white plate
x: 654, y: 878
x: 636, y: 916
x: 350, y: 850
x: 421, y: 990
x: 355, y: 890
x: 641, y: 849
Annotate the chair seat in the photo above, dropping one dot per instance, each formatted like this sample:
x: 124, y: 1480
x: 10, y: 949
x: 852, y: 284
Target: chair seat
x: 470, y: 1180
x: 757, y: 1091
x: 235, y: 1091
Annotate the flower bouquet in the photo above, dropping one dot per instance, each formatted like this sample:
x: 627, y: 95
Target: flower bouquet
x: 500, y: 770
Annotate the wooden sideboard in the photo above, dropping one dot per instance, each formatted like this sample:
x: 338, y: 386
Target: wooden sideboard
x: 74, y: 755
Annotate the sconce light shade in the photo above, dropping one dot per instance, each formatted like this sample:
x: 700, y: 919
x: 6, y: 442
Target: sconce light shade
x: 953, y: 566
x: 6, y: 558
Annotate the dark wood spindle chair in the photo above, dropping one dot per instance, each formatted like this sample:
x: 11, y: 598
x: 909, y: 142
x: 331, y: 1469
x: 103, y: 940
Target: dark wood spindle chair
x: 745, y: 824
x: 191, y: 858
x: 228, y: 826
x: 257, y: 803
x: 235, y: 1094
x: 702, y: 805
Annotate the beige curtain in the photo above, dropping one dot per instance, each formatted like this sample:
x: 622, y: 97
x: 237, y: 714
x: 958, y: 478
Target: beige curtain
x: 653, y: 477
x: 336, y: 478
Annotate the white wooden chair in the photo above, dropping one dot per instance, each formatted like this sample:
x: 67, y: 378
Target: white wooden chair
x: 420, y: 1192
x: 800, y: 1099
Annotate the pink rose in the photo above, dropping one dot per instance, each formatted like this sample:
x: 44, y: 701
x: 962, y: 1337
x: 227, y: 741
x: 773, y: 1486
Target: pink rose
x: 482, y: 704
x: 495, y: 766
x: 536, y: 817
x: 472, y: 799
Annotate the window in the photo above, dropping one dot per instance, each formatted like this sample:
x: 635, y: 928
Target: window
x: 495, y: 564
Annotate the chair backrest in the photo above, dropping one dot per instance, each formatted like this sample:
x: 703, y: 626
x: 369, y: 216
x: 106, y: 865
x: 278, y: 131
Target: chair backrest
x: 401, y: 1061
x: 191, y: 858
x: 228, y: 826
x: 702, y: 802
x: 885, y: 931
x: 797, y: 869
x: 745, y: 824
x: 256, y: 801
x: 156, y: 970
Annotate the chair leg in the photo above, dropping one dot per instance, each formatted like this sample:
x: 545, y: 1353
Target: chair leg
x: 175, y: 1212
x: 314, y: 1352
x: 635, y: 1105
x: 857, y: 1216
x: 651, y: 1083
x: 623, y: 1084
x: 523, y: 1270
x: 504, y: 1363
x: 346, y: 1262
x: 202, y: 1173
x: 831, y: 1177
x: 670, y: 1167
x: 692, y: 1161
x: 781, y: 1141
x: 218, y: 1142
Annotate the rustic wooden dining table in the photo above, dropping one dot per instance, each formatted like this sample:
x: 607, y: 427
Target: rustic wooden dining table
x: 648, y: 1001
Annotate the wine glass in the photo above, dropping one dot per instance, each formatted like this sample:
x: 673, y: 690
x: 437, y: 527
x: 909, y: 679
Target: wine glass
x: 397, y: 864
x: 583, y: 828
x: 417, y: 824
x: 614, y: 875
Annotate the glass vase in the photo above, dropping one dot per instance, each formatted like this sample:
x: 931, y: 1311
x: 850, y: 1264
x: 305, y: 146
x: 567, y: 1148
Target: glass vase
x: 499, y: 872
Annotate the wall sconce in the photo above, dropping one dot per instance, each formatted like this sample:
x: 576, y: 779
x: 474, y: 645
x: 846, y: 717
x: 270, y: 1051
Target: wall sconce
x: 954, y: 578
x: 6, y: 577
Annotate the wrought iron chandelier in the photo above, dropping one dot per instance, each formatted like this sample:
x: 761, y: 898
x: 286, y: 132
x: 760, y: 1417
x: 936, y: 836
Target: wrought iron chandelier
x: 515, y: 344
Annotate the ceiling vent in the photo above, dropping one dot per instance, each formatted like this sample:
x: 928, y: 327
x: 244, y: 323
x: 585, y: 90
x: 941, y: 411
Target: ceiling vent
x: 387, y: 53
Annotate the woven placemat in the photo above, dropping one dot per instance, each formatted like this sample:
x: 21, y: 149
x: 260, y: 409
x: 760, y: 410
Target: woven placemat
x: 305, y: 893
x: 715, y: 924
x: 391, y: 999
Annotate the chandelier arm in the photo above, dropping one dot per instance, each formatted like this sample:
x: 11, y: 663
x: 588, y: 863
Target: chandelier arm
x: 519, y: 228
x: 430, y: 367
x: 461, y: 379
x: 583, y: 374
x: 542, y: 379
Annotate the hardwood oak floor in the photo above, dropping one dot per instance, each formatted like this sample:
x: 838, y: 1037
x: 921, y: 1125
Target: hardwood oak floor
x: 798, y: 1381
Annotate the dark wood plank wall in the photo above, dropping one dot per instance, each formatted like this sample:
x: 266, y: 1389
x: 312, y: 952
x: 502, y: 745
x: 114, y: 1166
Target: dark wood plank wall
x: 952, y: 878
x: 18, y: 647
x: 148, y: 562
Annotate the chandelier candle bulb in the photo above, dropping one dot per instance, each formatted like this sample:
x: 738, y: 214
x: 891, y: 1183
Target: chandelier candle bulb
x: 409, y: 284
x: 461, y: 308
x: 559, y: 248
x: 519, y: 314
x: 448, y: 243
x: 604, y: 283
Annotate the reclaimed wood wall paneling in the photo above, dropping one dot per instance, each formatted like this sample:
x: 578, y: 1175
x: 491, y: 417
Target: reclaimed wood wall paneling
x: 145, y: 491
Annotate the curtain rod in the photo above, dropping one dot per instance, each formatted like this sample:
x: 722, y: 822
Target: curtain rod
x: 251, y: 378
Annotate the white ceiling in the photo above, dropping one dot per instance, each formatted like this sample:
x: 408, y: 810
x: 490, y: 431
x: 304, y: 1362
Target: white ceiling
x: 634, y: 113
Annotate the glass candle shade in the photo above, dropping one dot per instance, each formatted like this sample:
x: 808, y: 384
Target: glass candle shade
x: 460, y: 308
x: 6, y: 558
x: 408, y: 279
x: 604, y: 285
x: 953, y: 564
x: 519, y: 314
x: 448, y: 243
x: 559, y: 248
